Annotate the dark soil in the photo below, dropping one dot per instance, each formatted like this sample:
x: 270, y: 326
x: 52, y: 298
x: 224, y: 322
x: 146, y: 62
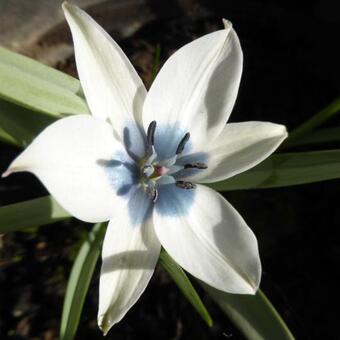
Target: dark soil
x: 291, y: 71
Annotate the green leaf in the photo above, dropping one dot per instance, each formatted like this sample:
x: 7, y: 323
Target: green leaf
x: 286, y: 169
x: 39, y: 70
x: 79, y: 281
x: 184, y: 284
x: 315, y: 121
x: 326, y: 135
x: 21, y: 125
x: 7, y: 138
x: 254, y: 315
x: 32, y: 213
x: 38, y: 87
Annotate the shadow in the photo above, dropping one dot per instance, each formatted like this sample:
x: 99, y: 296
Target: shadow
x: 125, y: 260
x: 167, y: 139
x: 139, y: 206
x: 229, y: 238
x: 134, y: 136
x: 137, y: 104
x: 134, y: 142
x: 220, y: 87
x: 122, y: 175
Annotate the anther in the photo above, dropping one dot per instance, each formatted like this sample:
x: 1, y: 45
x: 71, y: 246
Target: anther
x: 182, y: 143
x: 196, y: 165
x: 153, y: 194
x: 150, y: 136
x: 185, y: 185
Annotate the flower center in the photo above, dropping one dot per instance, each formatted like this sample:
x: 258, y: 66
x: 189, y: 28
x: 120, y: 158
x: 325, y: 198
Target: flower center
x: 155, y: 172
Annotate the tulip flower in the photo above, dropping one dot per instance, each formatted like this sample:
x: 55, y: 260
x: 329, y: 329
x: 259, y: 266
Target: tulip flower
x: 141, y: 159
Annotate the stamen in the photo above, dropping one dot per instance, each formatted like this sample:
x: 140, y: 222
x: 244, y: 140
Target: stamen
x: 196, y: 165
x: 153, y: 194
x: 182, y: 143
x: 185, y: 185
x: 150, y: 136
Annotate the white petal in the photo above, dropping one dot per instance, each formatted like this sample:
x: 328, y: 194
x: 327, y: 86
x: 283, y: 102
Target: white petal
x: 196, y: 89
x: 111, y: 85
x: 130, y: 253
x: 69, y: 157
x: 208, y: 238
x: 238, y: 148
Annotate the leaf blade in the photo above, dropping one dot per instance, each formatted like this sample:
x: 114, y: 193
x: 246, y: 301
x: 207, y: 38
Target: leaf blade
x: 254, y: 315
x: 35, y: 86
x: 184, y: 284
x: 22, y: 124
x: 31, y: 213
x: 315, y: 121
x: 286, y: 170
x: 79, y: 281
x: 39, y: 70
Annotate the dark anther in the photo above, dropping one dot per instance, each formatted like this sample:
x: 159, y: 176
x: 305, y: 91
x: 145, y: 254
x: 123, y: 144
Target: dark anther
x: 185, y: 185
x: 151, y: 133
x: 196, y: 165
x: 182, y: 143
x: 153, y: 193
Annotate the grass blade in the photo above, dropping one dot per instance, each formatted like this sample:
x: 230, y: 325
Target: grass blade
x: 315, y: 121
x: 254, y: 315
x: 32, y: 213
x: 285, y: 170
x: 20, y: 124
x: 184, y: 284
x: 79, y: 281
x: 7, y: 138
x: 30, y: 84
x: 325, y: 135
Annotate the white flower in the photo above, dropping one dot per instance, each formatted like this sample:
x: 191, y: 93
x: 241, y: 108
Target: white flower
x: 136, y: 159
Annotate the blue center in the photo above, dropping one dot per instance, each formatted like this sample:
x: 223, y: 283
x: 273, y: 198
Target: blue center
x: 151, y: 172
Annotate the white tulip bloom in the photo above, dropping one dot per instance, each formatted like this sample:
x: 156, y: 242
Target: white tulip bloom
x: 135, y: 160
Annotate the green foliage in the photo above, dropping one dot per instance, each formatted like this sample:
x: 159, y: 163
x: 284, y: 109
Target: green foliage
x: 325, y: 135
x: 184, y: 284
x: 79, y: 281
x: 32, y: 213
x: 283, y: 170
x: 315, y: 121
x: 38, y: 87
x: 254, y: 315
x: 21, y: 125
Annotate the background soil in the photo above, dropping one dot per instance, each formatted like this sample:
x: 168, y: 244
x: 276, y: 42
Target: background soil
x: 291, y: 71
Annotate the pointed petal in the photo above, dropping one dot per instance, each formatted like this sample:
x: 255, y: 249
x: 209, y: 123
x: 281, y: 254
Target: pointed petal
x: 238, y: 148
x: 69, y: 157
x: 208, y: 238
x: 111, y: 85
x: 197, y: 87
x: 130, y: 253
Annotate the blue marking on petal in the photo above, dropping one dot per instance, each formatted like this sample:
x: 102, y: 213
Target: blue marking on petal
x: 134, y: 141
x: 201, y: 157
x: 173, y: 201
x: 167, y: 139
x: 123, y: 175
x: 139, y: 206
